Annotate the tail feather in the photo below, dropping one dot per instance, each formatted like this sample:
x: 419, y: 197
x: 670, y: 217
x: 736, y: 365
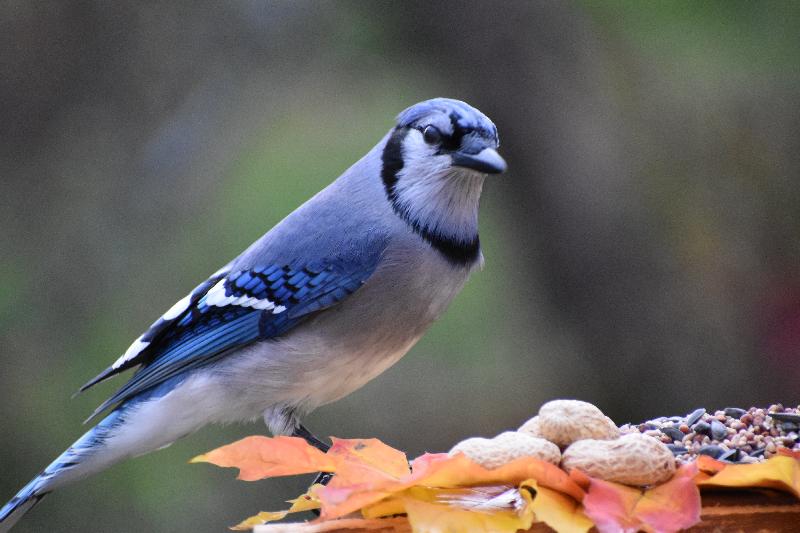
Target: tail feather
x: 20, y: 504
x: 151, y: 421
x: 80, y: 460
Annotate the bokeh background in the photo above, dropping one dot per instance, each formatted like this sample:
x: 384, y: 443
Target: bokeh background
x: 642, y: 252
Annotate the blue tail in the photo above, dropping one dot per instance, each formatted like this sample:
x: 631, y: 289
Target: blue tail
x: 21, y: 504
x: 80, y: 460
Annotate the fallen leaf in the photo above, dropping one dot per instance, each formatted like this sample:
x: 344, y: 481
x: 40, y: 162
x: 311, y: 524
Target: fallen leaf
x: 460, y: 471
x: 365, y: 461
x: 443, y: 518
x: 305, y: 502
x: 709, y: 465
x: 794, y: 454
x: 672, y: 506
x: 779, y: 472
x: 443, y: 471
x: 486, y: 499
x: 259, y: 457
x: 580, y: 479
x: 556, y: 509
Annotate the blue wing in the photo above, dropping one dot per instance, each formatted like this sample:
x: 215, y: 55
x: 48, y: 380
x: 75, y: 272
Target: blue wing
x: 228, y: 311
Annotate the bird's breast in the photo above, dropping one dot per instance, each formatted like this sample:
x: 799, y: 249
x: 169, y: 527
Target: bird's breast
x: 344, y: 347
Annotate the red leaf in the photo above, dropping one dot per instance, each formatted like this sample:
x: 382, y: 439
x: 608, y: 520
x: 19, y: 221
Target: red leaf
x: 673, y: 506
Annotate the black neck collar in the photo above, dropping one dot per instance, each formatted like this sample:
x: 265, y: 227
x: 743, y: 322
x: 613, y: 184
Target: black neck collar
x: 456, y: 251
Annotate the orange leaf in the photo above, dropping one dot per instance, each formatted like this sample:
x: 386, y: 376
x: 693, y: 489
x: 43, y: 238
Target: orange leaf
x: 443, y: 471
x: 459, y: 471
x: 795, y: 454
x: 581, y: 479
x: 709, y: 465
x: 366, y: 460
x: 261, y: 457
x: 779, y: 472
x: 672, y: 506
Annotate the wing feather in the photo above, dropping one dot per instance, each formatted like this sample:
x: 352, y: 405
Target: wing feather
x: 229, y: 311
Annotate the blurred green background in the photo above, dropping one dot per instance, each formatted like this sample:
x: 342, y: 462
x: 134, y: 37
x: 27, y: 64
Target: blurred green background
x: 642, y: 252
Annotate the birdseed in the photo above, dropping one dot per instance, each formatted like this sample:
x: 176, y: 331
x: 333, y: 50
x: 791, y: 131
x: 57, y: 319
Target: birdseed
x: 731, y: 435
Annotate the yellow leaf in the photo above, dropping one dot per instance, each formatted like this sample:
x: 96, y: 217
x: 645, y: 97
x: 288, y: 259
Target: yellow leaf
x: 305, y: 502
x: 485, y: 499
x: 780, y: 472
x: 427, y: 517
x: 393, y: 505
x: 261, y: 518
x: 556, y: 509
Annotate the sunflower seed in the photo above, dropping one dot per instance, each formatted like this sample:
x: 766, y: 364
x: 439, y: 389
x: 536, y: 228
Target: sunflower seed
x: 695, y: 416
x: 734, y: 412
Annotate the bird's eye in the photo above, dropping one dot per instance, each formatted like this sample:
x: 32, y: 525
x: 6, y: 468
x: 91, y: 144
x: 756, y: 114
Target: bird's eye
x: 432, y: 135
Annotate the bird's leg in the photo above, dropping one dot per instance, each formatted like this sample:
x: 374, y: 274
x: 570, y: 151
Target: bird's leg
x: 303, y: 433
x: 300, y: 431
x: 323, y: 478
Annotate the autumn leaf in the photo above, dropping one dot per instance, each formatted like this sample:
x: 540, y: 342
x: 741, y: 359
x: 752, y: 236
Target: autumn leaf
x: 427, y: 517
x: 794, y: 454
x: 709, y: 465
x: 366, y: 460
x: 485, y: 498
x: 556, y: 509
x: 781, y: 472
x: 443, y: 471
x: 672, y: 506
x: 305, y: 502
x: 259, y: 457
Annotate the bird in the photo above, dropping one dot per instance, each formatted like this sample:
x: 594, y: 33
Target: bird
x: 324, y: 302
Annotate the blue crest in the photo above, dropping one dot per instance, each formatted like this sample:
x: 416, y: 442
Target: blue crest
x: 463, y: 117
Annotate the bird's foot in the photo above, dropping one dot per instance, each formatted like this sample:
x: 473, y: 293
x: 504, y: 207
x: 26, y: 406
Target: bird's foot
x: 303, y: 433
x: 323, y: 478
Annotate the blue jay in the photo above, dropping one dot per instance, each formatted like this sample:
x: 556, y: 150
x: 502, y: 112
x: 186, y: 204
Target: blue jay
x: 325, y: 301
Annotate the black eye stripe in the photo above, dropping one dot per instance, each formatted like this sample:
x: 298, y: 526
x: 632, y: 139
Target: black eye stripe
x: 457, y: 252
x: 448, y: 143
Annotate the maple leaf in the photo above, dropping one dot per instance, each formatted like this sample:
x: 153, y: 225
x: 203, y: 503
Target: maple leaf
x: 260, y: 457
x: 366, y: 460
x: 672, y: 506
x: 442, y: 471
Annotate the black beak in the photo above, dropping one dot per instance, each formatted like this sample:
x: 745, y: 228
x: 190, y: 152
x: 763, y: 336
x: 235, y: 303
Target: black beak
x: 487, y: 161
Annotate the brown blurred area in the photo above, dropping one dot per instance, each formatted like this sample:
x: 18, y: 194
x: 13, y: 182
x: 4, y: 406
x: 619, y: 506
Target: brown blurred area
x: 642, y: 252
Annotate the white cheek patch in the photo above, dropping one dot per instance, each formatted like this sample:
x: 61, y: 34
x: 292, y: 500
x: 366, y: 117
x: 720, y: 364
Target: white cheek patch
x: 216, y: 297
x: 135, y: 349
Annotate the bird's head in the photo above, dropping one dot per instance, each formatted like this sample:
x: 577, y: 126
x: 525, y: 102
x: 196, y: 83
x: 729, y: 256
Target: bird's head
x: 447, y: 135
x: 434, y: 163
